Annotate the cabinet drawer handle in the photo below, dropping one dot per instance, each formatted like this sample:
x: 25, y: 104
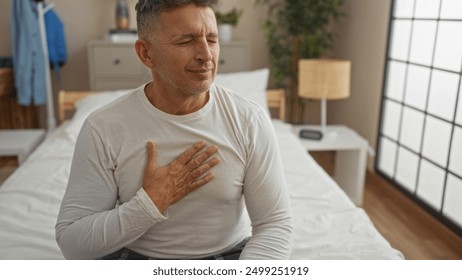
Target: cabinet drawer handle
x: 221, y: 61
x: 117, y: 61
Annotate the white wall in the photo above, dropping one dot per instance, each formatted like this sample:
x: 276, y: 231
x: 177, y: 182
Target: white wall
x: 362, y: 38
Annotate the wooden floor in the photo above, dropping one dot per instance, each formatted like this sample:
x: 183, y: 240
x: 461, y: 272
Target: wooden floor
x: 404, y: 224
x: 7, y: 167
x: 408, y: 227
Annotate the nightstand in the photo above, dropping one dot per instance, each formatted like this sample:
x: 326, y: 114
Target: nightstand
x: 350, y: 159
x: 19, y: 142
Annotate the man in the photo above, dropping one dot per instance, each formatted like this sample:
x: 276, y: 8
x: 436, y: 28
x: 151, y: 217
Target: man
x: 210, y: 156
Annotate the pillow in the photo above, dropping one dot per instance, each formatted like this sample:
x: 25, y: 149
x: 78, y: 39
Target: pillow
x: 87, y: 105
x: 249, y: 84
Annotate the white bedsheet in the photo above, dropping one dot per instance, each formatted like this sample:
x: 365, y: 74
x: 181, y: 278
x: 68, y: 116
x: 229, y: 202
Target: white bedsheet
x: 327, y: 224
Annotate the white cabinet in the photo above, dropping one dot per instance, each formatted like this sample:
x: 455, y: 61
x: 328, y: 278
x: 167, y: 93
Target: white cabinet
x: 115, y: 66
x: 234, y: 56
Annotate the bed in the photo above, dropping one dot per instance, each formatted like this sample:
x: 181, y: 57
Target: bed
x: 327, y: 224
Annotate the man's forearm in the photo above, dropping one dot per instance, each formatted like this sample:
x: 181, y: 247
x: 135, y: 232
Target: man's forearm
x: 96, y: 235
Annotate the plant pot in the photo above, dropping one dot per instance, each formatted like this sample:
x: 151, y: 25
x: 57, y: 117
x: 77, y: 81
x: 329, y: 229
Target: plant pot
x: 225, y: 33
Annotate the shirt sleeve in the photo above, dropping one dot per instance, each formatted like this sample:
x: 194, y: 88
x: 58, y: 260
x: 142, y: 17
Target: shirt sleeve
x: 266, y: 194
x: 90, y: 224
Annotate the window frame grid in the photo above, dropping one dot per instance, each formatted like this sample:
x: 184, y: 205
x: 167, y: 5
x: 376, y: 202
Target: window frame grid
x: 438, y: 213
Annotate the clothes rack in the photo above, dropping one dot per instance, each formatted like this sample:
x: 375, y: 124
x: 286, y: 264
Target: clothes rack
x: 42, y: 10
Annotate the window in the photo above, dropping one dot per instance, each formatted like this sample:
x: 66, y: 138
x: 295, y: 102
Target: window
x: 420, y: 137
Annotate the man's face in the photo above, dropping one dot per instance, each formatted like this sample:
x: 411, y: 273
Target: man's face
x: 185, y: 50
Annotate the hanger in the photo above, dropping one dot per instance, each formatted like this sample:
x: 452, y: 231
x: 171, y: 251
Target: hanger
x: 46, y: 6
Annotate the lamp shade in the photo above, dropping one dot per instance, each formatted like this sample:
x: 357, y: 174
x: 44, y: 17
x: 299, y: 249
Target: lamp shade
x: 324, y: 79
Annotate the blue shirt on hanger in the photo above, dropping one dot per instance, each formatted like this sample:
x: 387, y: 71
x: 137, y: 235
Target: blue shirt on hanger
x: 56, y: 40
x: 28, y: 57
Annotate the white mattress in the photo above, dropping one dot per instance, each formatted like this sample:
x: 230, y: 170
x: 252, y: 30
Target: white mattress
x: 327, y: 224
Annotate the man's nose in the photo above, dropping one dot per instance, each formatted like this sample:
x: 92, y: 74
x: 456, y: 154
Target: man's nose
x: 204, y: 52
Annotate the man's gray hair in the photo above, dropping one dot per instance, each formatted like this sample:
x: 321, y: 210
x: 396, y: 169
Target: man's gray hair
x: 147, y: 12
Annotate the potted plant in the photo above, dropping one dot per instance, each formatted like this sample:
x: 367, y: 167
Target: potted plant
x: 226, y: 21
x: 297, y: 29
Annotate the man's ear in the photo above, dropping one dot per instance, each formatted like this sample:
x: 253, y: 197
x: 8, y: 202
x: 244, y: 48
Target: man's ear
x: 143, y: 48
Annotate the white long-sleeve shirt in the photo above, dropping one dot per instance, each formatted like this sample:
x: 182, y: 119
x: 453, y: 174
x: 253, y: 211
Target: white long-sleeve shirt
x: 105, y: 208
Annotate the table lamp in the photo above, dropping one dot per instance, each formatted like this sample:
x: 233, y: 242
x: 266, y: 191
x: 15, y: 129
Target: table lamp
x: 323, y: 79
